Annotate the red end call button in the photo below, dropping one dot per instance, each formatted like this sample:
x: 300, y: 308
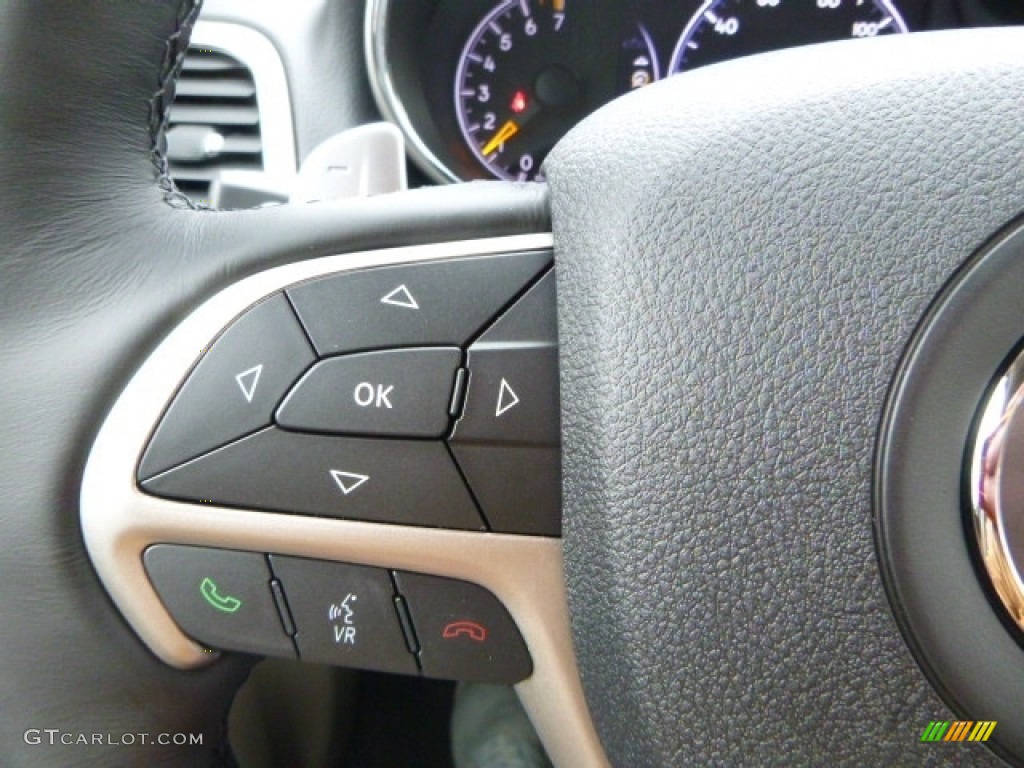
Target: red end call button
x: 463, y: 631
x: 468, y: 629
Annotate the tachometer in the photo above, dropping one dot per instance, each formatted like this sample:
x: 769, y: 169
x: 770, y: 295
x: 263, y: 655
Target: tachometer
x: 524, y: 78
x: 725, y: 29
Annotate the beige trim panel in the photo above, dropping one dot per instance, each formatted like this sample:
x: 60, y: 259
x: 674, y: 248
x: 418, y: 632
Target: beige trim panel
x: 119, y: 522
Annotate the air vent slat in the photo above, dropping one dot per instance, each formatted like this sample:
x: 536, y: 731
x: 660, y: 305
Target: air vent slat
x: 220, y: 114
x: 207, y: 173
x: 204, y: 60
x: 249, y: 145
x: 219, y: 87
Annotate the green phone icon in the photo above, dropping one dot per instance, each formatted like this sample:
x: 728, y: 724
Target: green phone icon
x: 225, y: 603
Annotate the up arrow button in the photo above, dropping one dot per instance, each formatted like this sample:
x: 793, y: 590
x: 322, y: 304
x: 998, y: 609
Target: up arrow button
x: 430, y: 303
x: 400, y: 297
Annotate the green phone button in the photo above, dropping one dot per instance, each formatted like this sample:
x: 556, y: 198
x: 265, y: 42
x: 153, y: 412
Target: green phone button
x: 226, y: 603
x: 220, y: 598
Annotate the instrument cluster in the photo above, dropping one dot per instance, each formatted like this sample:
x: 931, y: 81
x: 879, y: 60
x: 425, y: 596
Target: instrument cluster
x: 485, y: 88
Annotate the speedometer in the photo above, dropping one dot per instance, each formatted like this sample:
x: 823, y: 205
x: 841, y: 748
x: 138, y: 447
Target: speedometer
x: 725, y: 29
x: 526, y: 76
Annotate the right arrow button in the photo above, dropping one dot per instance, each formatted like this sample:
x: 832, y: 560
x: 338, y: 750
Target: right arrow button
x: 507, y: 398
x: 507, y: 440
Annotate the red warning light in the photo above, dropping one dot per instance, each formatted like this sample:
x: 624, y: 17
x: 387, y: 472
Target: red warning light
x: 518, y: 102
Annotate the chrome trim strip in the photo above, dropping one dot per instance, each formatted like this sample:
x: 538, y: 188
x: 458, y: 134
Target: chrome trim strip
x: 995, y: 482
x: 257, y: 53
x: 119, y: 522
x: 384, y: 93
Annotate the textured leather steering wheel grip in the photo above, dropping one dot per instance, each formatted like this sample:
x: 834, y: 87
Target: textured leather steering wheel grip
x: 743, y: 255
x: 100, y: 260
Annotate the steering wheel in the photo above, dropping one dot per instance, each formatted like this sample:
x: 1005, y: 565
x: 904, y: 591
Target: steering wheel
x: 784, y: 286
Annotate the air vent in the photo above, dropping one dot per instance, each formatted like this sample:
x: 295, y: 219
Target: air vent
x: 214, y: 122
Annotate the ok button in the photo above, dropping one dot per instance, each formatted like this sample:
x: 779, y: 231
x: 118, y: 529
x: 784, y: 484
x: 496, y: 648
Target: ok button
x: 366, y: 397
x: 393, y: 393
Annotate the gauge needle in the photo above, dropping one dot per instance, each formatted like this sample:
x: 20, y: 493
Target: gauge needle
x: 506, y: 132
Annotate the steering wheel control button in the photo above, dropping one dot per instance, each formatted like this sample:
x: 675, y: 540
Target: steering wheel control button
x: 518, y: 487
x: 395, y: 393
x: 344, y: 614
x: 234, y: 388
x: 443, y: 303
x: 220, y: 597
x: 463, y: 631
x: 513, y: 368
x: 412, y: 482
x: 511, y: 418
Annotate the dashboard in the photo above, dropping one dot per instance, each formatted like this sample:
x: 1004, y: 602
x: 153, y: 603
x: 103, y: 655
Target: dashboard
x: 484, y: 89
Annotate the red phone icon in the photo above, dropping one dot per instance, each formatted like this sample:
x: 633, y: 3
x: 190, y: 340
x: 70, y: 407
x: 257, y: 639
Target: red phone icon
x: 470, y: 629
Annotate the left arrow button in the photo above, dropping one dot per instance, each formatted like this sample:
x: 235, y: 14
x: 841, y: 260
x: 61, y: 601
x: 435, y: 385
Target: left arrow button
x: 233, y: 388
x: 247, y: 381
